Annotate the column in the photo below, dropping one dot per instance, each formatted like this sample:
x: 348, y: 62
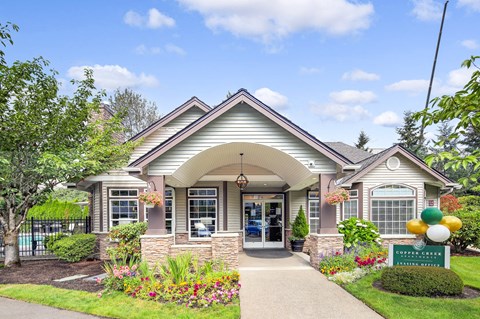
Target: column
x: 156, y: 215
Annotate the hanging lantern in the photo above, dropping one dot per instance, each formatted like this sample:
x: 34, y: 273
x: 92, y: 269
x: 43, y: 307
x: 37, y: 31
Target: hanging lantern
x: 242, y: 180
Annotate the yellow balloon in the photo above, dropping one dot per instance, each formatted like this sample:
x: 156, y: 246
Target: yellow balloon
x: 451, y: 222
x: 417, y: 226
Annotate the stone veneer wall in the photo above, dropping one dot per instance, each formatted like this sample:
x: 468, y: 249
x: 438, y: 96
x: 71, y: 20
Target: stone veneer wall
x: 155, y: 248
x: 324, y: 244
x: 103, y: 242
x: 397, y: 241
x: 223, y: 246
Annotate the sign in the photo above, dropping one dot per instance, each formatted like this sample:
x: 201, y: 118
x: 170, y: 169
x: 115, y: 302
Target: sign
x: 407, y: 255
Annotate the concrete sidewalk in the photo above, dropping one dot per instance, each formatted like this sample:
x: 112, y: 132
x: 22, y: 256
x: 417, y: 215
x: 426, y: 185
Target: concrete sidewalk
x: 289, y: 287
x: 15, y: 309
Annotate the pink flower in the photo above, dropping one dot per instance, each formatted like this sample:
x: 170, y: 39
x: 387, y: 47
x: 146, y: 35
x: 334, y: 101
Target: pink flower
x: 99, y: 295
x: 152, y: 293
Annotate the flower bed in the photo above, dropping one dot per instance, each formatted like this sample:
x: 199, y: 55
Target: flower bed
x: 353, y: 265
x: 181, y: 281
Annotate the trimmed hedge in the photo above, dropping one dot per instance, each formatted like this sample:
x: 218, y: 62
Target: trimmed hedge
x: 421, y: 281
x: 55, y: 209
x: 49, y: 240
x: 74, y: 248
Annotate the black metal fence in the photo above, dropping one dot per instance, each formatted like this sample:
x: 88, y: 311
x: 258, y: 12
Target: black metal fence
x: 35, y: 232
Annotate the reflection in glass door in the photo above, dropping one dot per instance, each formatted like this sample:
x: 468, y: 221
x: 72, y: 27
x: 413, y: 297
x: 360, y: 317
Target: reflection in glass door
x: 263, y: 221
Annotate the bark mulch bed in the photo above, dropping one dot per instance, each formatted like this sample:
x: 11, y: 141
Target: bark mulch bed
x: 44, y: 272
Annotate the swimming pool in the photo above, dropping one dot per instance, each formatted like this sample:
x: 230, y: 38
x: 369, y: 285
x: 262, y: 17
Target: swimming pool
x: 26, y: 239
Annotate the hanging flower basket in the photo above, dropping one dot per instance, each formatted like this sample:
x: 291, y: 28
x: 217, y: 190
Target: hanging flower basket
x: 151, y: 199
x: 337, y: 196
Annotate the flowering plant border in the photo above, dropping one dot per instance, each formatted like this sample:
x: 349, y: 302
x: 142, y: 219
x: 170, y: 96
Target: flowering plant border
x: 151, y: 198
x: 337, y: 196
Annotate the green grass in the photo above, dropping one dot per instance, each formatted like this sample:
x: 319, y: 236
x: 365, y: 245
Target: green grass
x: 397, y: 306
x: 114, y: 305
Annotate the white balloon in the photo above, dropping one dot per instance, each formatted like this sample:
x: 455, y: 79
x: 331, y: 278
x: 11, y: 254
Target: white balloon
x: 438, y: 233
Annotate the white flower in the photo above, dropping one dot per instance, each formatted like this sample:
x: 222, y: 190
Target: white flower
x: 374, y: 231
x: 359, y: 224
x: 364, y: 226
x: 341, y: 226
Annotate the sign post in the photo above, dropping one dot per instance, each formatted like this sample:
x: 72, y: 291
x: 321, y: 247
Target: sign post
x: 406, y: 255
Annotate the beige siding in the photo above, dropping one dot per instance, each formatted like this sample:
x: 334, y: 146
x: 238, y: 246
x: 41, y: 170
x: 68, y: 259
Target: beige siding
x: 96, y: 207
x: 432, y: 193
x: 163, y: 133
x: 408, y: 174
x: 234, y: 210
x: 180, y: 209
x: 297, y: 199
x: 240, y: 124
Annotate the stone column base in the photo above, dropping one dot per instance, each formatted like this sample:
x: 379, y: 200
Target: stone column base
x: 225, y: 248
x: 103, y: 242
x: 155, y: 248
x: 323, y: 245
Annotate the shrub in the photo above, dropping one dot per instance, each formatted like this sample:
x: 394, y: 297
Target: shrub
x: 449, y: 204
x: 469, y: 201
x: 421, y: 281
x: 74, y: 248
x: 128, y: 237
x: 357, y: 232
x: 300, y: 227
x: 469, y: 234
x: 49, y: 240
x: 55, y: 209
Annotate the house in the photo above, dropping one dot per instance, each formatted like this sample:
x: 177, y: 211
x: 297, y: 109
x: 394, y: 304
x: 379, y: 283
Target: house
x: 195, y: 154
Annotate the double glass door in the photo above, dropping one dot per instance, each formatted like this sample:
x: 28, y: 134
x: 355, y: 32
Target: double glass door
x: 263, y: 220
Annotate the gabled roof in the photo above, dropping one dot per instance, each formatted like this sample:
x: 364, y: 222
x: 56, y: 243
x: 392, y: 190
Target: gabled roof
x: 242, y: 96
x: 354, y: 154
x: 193, y: 102
x: 370, y: 163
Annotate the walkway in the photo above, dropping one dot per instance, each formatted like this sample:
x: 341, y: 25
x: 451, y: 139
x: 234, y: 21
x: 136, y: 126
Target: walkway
x: 15, y: 309
x: 284, y: 285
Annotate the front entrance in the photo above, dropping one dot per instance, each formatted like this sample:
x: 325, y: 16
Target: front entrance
x: 263, y: 220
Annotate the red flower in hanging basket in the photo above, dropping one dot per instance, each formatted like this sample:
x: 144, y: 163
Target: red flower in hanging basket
x: 337, y: 196
x: 151, y: 198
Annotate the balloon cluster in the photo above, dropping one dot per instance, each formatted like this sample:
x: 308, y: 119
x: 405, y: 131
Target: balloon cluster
x: 436, y: 226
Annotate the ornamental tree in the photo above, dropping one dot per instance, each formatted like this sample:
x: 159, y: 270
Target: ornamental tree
x: 47, y: 138
x: 463, y: 109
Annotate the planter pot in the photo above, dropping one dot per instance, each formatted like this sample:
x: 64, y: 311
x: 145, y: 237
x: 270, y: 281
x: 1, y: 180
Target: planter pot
x: 149, y: 205
x: 297, y: 245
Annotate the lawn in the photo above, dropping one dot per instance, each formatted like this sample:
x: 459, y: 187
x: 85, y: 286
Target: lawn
x: 114, y: 305
x: 396, y: 306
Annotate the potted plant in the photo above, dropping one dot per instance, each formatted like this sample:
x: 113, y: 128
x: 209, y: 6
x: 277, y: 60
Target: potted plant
x: 300, y: 230
x: 151, y: 199
x: 337, y: 196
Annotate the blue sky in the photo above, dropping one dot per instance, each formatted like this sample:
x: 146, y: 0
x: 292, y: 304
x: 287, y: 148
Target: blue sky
x: 334, y: 67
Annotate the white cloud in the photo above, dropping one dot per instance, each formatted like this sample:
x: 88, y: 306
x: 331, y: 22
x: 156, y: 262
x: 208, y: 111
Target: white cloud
x: 410, y: 86
x: 471, y: 4
x: 340, y: 112
x: 353, y: 97
x: 111, y: 77
x: 307, y: 71
x: 153, y: 20
x: 389, y: 118
x: 360, y: 75
x: 459, y: 77
x: 271, y: 98
x: 427, y: 10
x: 172, y: 48
x: 470, y: 44
x: 272, y: 20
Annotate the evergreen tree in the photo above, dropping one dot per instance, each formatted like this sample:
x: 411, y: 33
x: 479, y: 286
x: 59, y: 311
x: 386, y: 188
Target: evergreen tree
x: 137, y: 112
x: 409, y: 135
x: 362, y: 141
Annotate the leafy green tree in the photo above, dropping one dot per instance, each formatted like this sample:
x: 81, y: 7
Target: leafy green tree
x: 362, y: 141
x: 463, y: 108
x: 69, y: 195
x: 137, y: 112
x: 46, y: 139
x: 409, y: 135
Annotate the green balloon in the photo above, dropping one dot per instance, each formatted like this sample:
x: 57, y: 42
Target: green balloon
x: 432, y: 215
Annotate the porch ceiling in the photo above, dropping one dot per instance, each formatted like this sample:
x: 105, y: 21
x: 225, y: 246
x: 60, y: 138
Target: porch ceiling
x: 284, y: 168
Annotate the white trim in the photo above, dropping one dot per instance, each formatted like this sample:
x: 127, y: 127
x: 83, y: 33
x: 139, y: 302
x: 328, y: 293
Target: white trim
x: 389, y: 164
x: 220, y: 235
x: 156, y: 236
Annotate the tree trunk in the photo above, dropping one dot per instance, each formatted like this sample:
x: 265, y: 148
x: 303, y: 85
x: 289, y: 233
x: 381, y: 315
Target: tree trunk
x: 12, y: 255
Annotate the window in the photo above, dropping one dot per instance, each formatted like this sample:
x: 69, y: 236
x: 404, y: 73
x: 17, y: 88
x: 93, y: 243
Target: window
x: 123, y: 206
x: 169, y: 210
x: 350, y: 208
x: 313, y: 211
x: 392, y: 206
x: 202, y: 212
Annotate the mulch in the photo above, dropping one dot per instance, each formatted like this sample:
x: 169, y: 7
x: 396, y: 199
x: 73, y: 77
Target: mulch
x: 44, y: 272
